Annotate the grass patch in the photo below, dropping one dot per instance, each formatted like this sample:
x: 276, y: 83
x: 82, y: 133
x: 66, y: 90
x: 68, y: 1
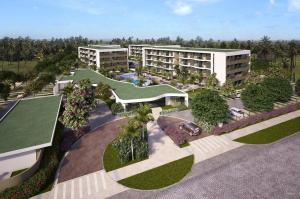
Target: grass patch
x: 13, y: 66
x: 160, y: 177
x: 273, y: 133
x: 111, y: 160
x: 167, y: 107
x: 184, y: 145
x: 17, y: 172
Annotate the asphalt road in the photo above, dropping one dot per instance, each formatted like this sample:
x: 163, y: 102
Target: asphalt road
x: 253, y: 171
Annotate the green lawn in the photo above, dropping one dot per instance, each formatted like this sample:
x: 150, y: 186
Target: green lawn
x: 30, y: 123
x: 273, y: 133
x: 111, y: 160
x: 160, y: 177
x: 13, y: 66
x: 124, y: 90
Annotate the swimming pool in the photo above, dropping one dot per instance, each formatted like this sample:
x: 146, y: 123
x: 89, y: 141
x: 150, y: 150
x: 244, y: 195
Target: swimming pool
x: 134, y: 78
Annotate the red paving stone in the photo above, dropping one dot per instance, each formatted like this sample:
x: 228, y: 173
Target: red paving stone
x: 86, y: 154
x: 164, y: 122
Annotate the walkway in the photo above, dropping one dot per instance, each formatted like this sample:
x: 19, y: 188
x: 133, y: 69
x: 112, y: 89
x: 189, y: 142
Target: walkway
x: 251, y: 171
x: 94, y: 185
x: 163, y: 151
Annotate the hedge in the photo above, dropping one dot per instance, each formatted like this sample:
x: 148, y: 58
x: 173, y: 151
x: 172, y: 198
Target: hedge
x: 255, y: 119
x: 43, y: 177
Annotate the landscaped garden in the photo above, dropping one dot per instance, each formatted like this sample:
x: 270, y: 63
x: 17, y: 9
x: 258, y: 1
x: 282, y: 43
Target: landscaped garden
x: 131, y: 145
x: 162, y: 176
x: 273, y: 133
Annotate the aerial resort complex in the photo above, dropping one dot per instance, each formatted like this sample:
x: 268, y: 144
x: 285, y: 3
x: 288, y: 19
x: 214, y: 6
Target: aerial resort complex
x: 150, y: 99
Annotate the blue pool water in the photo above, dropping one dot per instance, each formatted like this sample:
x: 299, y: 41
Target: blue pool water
x: 134, y: 78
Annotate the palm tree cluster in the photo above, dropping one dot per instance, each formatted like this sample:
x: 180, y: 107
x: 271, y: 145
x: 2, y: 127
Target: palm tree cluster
x: 132, y: 143
x: 27, y: 49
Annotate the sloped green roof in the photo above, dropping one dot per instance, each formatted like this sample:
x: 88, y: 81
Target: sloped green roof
x: 30, y: 123
x: 124, y: 90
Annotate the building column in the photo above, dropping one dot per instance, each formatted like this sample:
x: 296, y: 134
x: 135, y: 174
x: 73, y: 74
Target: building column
x: 124, y: 106
x: 186, y: 101
x: 168, y: 101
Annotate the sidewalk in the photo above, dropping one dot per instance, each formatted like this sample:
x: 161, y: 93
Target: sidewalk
x: 163, y: 151
x: 262, y: 125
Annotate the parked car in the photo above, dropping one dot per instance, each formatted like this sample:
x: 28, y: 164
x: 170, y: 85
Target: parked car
x: 236, y: 112
x: 191, y: 128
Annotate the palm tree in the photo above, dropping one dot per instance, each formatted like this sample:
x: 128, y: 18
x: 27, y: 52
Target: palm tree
x: 292, y: 56
x: 143, y: 116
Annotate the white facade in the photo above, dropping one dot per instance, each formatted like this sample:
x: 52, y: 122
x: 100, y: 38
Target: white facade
x: 226, y: 64
x: 9, y: 164
x: 105, y: 56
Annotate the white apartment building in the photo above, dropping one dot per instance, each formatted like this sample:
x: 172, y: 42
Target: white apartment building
x: 108, y: 56
x: 231, y: 64
x: 136, y: 50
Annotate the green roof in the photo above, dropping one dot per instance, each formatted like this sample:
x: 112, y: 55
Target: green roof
x: 124, y: 90
x: 30, y: 123
x: 101, y: 47
x: 196, y: 49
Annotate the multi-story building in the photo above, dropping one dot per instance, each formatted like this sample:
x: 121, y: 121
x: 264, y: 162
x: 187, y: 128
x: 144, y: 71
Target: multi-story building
x: 136, y: 50
x: 225, y: 63
x: 104, y: 56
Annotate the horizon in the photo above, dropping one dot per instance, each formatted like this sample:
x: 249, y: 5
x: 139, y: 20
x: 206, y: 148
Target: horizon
x: 217, y: 19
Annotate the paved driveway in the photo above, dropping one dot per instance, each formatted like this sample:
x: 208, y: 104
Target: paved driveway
x: 184, y: 115
x: 85, y: 155
x: 251, y: 171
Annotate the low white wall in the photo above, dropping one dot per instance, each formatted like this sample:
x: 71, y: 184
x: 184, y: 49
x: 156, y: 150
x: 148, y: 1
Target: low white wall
x: 17, y: 162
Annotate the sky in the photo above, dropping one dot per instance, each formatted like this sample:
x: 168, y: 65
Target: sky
x: 106, y: 19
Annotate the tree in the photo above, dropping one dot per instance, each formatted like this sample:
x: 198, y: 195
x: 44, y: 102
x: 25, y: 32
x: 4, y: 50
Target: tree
x: 227, y: 89
x: 103, y: 91
x: 4, y: 91
x: 68, y: 89
x: 212, y: 82
x: 116, y: 108
x: 209, y: 107
x: 139, y: 71
x: 257, y: 98
x: 78, y: 106
x: 280, y: 89
x: 129, y: 144
x: 143, y: 116
x: 292, y: 55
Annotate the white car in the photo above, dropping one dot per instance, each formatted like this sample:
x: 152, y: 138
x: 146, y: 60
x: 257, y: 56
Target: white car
x: 236, y: 112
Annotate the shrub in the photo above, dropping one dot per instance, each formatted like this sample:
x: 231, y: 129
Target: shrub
x: 208, y: 106
x: 4, y: 90
x: 93, y: 67
x: 297, y: 88
x: 116, y: 108
x: 177, y: 136
x: 280, y: 88
x: 257, y: 98
x: 173, y: 83
x: 255, y: 119
x: 43, y: 177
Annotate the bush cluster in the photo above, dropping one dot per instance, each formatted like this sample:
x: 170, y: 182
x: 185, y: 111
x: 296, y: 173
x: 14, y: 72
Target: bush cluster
x: 255, y: 119
x: 297, y: 88
x: 45, y: 174
x: 116, y: 108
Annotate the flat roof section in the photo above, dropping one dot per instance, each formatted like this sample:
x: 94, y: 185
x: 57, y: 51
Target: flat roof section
x: 197, y: 49
x: 29, y: 125
x: 124, y: 90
